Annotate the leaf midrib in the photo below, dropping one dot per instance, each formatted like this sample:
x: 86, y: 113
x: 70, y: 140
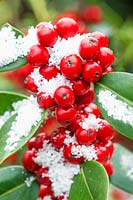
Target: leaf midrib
x: 12, y: 190
x: 120, y: 96
x: 84, y: 178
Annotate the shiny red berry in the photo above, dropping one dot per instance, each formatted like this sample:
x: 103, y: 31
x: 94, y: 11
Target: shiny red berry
x: 30, y: 85
x: 48, y: 72
x: 45, y: 101
x: 31, y: 143
x: 39, y: 140
x: 102, y: 38
x: 67, y: 27
x: 57, y: 137
x: 109, y: 168
x: 42, y: 176
x: 38, y: 55
x: 86, y: 98
x: 71, y: 66
x: 110, y: 148
x: 85, y: 137
x: 80, y: 87
x: 70, y: 156
x: 105, y: 131
x: 28, y: 162
x: 65, y: 115
x: 102, y: 153
x: 93, y: 109
x: 64, y: 96
x: 74, y: 125
x: 89, y: 48
x: 92, y: 71
x: 46, y: 34
x: 105, y: 57
x: 44, y: 191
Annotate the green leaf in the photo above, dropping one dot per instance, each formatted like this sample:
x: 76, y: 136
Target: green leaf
x: 6, y: 100
x: 20, y: 61
x: 91, y: 183
x: 123, y: 169
x: 13, y: 186
x: 119, y: 84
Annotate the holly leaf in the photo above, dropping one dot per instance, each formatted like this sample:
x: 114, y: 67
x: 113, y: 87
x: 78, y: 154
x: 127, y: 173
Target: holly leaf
x: 16, y: 183
x: 20, y: 61
x: 123, y: 169
x: 91, y: 183
x: 114, y: 97
x: 6, y: 100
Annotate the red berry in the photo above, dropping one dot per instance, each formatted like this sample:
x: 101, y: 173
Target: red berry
x: 71, y: 66
x: 70, y: 156
x: 64, y: 96
x: 102, y: 39
x: 67, y: 27
x: 82, y: 27
x: 38, y: 55
x: 109, y: 168
x: 44, y: 191
x: 110, y: 148
x: 42, y: 176
x: 30, y: 84
x: 89, y: 48
x: 92, y: 71
x: 85, y: 137
x: 48, y: 72
x: 74, y: 125
x: 58, y: 136
x: 105, y: 57
x: 46, y: 34
x: 105, y: 131
x: 93, y: 109
x: 86, y: 98
x: 102, y: 153
x: 108, y: 70
x: 40, y: 138
x: 80, y: 87
x: 45, y: 101
x: 92, y: 14
x: 28, y: 162
x: 65, y: 115
x: 31, y: 143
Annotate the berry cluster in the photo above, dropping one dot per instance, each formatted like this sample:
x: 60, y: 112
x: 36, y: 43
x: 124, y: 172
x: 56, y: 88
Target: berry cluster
x: 65, y: 90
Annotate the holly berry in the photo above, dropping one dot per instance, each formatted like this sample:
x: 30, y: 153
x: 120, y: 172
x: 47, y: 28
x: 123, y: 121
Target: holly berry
x: 70, y: 156
x: 105, y: 57
x: 88, y: 48
x: 74, y: 125
x: 110, y: 148
x: 65, y: 115
x: 45, y: 101
x: 80, y: 87
x: 42, y: 176
x: 102, y: 38
x: 92, y: 14
x: 92, y: 71
x: 64, y: 96
x: 109, y: 167
x: 44, y: 191
x: 102, y: 153
x: 38, y: 55
x: 93, y: 109
x: 30, y: 85
x: 57, y: 137
x: 105, y: 131
x: 67, y: 27
x: 71, y: 66
x: 46, y: 34
x: 37, y: 142
x: 28, y: 162
x: 86, y: 98
x: 48, y: 72
x: 85, y: 137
